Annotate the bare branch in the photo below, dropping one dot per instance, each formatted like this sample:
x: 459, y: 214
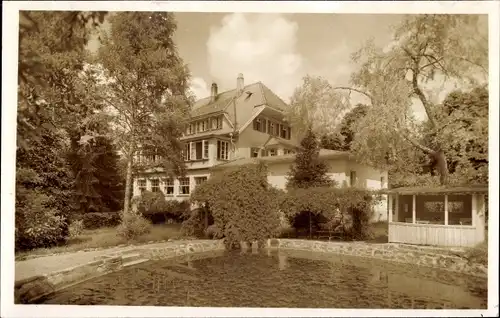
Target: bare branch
x: 416, y: 144
x: 358, y: 91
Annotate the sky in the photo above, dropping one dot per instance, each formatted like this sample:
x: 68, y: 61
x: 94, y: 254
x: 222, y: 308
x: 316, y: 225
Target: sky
x: 278, y: 49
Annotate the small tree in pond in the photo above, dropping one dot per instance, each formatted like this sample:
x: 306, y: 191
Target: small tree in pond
x: 308, y: 170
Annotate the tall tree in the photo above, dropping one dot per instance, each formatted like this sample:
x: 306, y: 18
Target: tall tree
x: 144, y: 84
x: 466, y: 132
x: 316, y: 105
x: 342, y: 137
x: 425, y: 49
x: 308, y: 170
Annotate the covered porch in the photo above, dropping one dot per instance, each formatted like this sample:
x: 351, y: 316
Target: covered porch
x: 437, y: 216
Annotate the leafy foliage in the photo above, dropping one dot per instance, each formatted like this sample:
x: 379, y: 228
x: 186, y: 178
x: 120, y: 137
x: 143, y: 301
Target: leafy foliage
x: 95, y: 220
x: 315, y: 105
x: 308, y: 170
x: 243, y: 204
x: 43, y: 188
x: 348, y: 208
x: 37, y: 225
x: 76, y: 228
x: 133, y: 225
x: 341, y: 139
x: 51, y: 53
x: 157, y: 209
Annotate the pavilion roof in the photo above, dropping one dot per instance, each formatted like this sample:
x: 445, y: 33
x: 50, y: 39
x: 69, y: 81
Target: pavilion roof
x: 437, y: 190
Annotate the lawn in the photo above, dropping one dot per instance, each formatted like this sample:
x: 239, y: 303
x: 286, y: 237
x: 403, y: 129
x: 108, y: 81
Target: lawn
x: 107, y: 237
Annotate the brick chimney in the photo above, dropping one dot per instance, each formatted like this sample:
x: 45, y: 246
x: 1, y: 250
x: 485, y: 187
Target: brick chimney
x: 213, y: 94
x: 240, y: 83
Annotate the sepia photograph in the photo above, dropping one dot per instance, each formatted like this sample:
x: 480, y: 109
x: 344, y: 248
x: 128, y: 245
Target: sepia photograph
x: 260, y: 158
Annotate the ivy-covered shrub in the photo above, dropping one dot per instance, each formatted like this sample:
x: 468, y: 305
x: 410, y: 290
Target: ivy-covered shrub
x: 243, y: 205
x: 199, y: 223
x: 37, y: 225
x: 158, y: 210
x: 96, y: 220
x: 350, y: 209
x: 133, y: 225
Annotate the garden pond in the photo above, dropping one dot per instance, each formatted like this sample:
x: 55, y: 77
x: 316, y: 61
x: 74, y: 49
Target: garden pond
x: 279, y: 279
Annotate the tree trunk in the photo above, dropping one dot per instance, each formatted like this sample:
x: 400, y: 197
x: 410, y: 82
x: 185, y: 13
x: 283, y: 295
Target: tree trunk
x: 128, y: 182
x: 310, y: 226
x: 442, y: 167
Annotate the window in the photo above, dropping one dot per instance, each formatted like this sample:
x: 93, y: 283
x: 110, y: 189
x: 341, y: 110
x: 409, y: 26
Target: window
x: 219, y: 122
x: 352, y: 178
x: 263, y: 153
x: 254, y: 152
x: 186, y: 152
x: 204, y: 125
x: 205, y: 149
x: 222, y: 150
x: 264, y: 125
x: 141, y: 183
x: 155, y: 185
x: 213, y: 120
x: 184, y: 186
x: 169, y: 186
x: 273, y: 152
x: 192, y: 151
x: 257, y: 124
x: 288, y: 151
x: 198, y: 150
x: 289, y: 135
x: 270, y: 127
x: 284, y: 132
x: 277, y: 129
x: 200, y: 180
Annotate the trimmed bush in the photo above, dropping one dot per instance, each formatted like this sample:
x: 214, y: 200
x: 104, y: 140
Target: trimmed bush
x: 243, y: 205
x: 95, y: 220
x: 348, y: 208
x: 133, y: 225
x: 158, y: 210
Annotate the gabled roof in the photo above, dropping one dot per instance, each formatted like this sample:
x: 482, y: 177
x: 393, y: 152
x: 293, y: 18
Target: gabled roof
x: 273, y: 141
x: 253, y: 95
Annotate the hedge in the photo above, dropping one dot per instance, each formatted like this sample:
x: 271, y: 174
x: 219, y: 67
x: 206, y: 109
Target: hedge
x: 349, y: 208
x: 95, y: 220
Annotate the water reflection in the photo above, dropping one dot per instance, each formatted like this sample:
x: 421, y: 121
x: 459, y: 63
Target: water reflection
x: 279, y: 279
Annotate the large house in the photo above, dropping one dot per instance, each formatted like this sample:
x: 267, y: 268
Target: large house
x: 247, y: 125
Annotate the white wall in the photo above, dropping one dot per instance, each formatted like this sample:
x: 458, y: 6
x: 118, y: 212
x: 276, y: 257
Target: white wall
x: 370, y: 178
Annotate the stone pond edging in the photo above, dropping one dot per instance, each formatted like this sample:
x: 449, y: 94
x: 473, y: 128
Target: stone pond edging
x: 440, y: 258
x: 35, y: 288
